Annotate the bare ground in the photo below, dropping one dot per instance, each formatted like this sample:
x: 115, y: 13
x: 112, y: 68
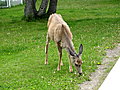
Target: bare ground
x: 98, y: 76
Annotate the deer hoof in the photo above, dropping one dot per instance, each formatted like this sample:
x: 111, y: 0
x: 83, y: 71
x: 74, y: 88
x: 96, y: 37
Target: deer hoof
x: 58, y: 69
x: 71, y: 70
x: 46, y: 63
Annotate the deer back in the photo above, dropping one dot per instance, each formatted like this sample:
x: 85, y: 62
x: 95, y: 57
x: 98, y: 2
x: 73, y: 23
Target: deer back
x: 58, y: 30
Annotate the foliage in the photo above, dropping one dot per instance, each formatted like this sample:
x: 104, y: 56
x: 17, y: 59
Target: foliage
x: 3, y: 3
x: 95, y: 24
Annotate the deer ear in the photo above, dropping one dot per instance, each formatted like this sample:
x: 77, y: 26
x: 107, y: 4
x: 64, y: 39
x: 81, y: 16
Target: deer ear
x: 80, y: 50
x: 70, y: 52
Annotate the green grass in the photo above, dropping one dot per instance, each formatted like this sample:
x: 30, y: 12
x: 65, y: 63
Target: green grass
x: 94, y: 23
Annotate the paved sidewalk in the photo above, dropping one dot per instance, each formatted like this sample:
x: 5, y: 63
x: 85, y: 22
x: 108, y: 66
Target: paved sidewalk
x: 112, y: 81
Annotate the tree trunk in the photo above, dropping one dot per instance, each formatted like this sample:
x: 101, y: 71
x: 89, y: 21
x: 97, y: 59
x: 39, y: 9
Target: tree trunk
x: 43, y: 7
x: 52, y: 7
x: 30, y: 9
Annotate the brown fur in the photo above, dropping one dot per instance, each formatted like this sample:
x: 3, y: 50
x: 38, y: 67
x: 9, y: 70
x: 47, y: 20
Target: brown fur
x: 60, y: 33
x: 56, y: 27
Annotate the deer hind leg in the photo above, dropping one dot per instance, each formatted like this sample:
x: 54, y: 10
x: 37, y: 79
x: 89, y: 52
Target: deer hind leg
x: 70, y: 64
x: 60, y: 55
x: 46, y: 49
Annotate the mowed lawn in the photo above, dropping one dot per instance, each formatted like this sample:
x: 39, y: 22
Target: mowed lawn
x: 94, y: 23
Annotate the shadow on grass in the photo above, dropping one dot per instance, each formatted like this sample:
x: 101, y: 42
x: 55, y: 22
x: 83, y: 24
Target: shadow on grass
x: 114, y: 20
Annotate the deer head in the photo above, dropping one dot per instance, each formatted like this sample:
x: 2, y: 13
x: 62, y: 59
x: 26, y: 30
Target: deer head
x: 76, y: 59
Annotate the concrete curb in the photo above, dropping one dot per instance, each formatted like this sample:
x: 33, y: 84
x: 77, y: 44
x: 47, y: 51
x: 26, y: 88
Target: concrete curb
x: 112, y: 81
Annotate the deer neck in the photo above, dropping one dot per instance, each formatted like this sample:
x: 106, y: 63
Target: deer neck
x: 69, y: 45
x: 67, y: 40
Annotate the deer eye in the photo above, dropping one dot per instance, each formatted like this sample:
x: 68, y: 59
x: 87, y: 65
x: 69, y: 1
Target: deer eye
x: 73, y: 57
x: 77, y: 65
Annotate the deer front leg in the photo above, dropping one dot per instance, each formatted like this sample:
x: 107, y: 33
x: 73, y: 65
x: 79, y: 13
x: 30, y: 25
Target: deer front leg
x: 46, y: 49
x: 60, y: 56
x: 70, y: 64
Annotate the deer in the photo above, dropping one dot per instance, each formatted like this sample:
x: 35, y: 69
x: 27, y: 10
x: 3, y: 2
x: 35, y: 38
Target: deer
x: 60, y: 33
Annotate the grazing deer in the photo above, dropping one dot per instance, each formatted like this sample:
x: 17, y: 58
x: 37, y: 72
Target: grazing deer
x: 60, y: 33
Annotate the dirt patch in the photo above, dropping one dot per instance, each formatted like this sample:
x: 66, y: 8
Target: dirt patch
x: 101, y: 71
